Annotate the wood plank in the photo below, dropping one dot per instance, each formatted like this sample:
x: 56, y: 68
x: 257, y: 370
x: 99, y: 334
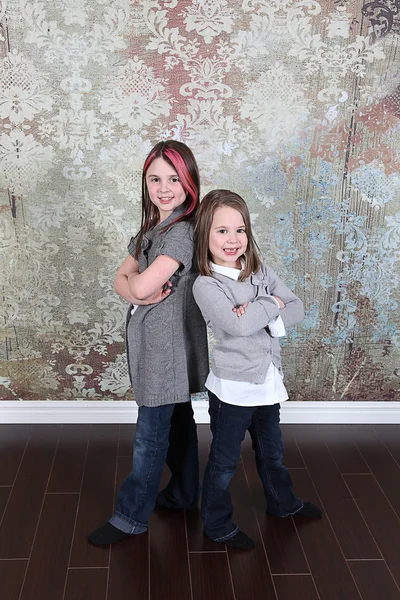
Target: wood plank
x: 374, y: 580
x: 12, y: 573
x: 211, y: 578
x: 129, y: 562
x: 169, y: 564
x: 380, y: 518
x: 13, y: 439
x: 21, y: 517
x: 4, y: 495
x: 126, y: 437
x: 67, y: 471
x: 292, y: 456
x: 97, y: 496
x: 280, y: 537
x: 250, y: 571
x: 282, y: 545
x: 349, y: 526
x: 383, y: 466
x: 295, y: 587
x: 196, y: 540
x: 340, y: 443
x: 86, y: 584
x: 129, y: 569
x: 327, y: 564
x: 47, y: 569
x: 390, y: 436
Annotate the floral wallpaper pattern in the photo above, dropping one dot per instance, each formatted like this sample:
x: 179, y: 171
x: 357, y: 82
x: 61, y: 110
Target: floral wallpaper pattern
x: 295, y: 104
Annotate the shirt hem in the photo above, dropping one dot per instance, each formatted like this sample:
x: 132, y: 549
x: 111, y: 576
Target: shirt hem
x: 163, y: 401
x: 244, y: 404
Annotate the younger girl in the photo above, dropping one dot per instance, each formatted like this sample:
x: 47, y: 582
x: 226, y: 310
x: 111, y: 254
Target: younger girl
x: 166, y: 342
x: 245, y: 304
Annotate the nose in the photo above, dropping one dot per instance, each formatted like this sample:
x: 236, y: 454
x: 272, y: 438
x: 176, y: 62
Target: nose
x: 232, y: 238
x: 163, y: 186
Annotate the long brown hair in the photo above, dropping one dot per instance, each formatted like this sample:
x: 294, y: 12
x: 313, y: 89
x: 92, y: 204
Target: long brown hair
x: 179, y: 157
x: 205, y: 214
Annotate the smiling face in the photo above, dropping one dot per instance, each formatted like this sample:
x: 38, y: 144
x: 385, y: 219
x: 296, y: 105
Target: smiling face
x: 228, y: 238
x: 165, y: 189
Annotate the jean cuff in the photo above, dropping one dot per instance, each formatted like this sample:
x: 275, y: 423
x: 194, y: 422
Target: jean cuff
x: 127, y: 525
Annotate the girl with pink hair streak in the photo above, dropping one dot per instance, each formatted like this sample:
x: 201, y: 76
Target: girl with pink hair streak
x: 166, y: 343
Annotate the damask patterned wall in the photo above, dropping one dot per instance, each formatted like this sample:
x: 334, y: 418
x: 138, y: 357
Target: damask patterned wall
x: 293, y: 103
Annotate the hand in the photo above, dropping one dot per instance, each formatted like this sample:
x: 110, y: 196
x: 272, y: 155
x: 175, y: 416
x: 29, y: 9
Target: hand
x: 160, y: 295
x: 279, y: 301
x: 239, y: 310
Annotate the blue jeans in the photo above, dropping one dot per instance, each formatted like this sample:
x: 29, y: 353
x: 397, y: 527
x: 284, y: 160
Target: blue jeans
x: 229, y: 424
x: 163, y: 434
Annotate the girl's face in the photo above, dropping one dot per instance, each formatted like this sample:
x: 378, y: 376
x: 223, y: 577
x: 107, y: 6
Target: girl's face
x: 228, y: 238
x: 165, y: 189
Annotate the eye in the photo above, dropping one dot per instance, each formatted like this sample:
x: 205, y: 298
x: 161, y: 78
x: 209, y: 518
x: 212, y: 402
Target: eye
x: 175, y: 179
x: 153, y: 179
x: 241, y: 230
x: 221, y: 231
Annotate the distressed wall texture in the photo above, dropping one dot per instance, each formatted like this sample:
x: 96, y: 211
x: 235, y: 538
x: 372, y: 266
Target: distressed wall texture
x: 293, y: 104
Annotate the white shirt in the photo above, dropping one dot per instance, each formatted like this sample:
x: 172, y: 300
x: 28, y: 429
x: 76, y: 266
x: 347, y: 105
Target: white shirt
x: 242, y: 393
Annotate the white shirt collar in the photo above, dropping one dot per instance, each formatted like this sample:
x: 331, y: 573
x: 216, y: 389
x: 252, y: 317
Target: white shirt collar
x: 230, y: 272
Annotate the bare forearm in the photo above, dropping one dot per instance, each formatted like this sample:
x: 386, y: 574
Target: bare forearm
x: 132, y: 283
x: 121, y: 286
x: 153, y: 279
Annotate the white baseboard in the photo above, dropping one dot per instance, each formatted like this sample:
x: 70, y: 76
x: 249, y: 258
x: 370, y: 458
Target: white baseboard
x: 83, y: 411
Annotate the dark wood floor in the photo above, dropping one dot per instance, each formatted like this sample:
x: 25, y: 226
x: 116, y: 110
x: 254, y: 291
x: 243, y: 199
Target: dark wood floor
x: 57, y: 483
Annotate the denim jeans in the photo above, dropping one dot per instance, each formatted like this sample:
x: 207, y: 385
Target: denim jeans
x: 163, y: 434
x: 229, y: 424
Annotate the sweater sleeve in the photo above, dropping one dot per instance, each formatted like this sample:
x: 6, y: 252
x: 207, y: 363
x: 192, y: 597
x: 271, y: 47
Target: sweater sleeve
x: 216, y: 308
x: 293, y: 312
x: 132, y: 245
x: 178, y: 244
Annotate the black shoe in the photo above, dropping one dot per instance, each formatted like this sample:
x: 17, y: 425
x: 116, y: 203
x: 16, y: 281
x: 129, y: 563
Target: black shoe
x: 239, y: 540
x: 107, y: 534
x: 309, y: 510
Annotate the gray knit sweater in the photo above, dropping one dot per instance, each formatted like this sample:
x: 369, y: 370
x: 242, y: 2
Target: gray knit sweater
x: 244, y: 348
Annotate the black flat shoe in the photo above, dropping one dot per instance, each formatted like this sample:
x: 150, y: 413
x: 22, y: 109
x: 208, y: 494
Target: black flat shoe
x: 239, y: 540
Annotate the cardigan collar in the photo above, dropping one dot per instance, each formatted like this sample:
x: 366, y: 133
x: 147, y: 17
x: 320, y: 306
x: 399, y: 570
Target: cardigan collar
x: 230, y: 272
x: 149, y: 235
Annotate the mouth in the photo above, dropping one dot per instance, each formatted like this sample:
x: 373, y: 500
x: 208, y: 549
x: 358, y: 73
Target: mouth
x: 165, y: 200
x: 231, y: 251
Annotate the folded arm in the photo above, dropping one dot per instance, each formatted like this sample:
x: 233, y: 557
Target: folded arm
x: 216, y: 308
x: 293, y: 310
x: 151, y: 280
x: 127, y: 272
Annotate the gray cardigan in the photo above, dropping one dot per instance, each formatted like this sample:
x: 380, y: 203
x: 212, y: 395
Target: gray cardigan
x: 244, y: 348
